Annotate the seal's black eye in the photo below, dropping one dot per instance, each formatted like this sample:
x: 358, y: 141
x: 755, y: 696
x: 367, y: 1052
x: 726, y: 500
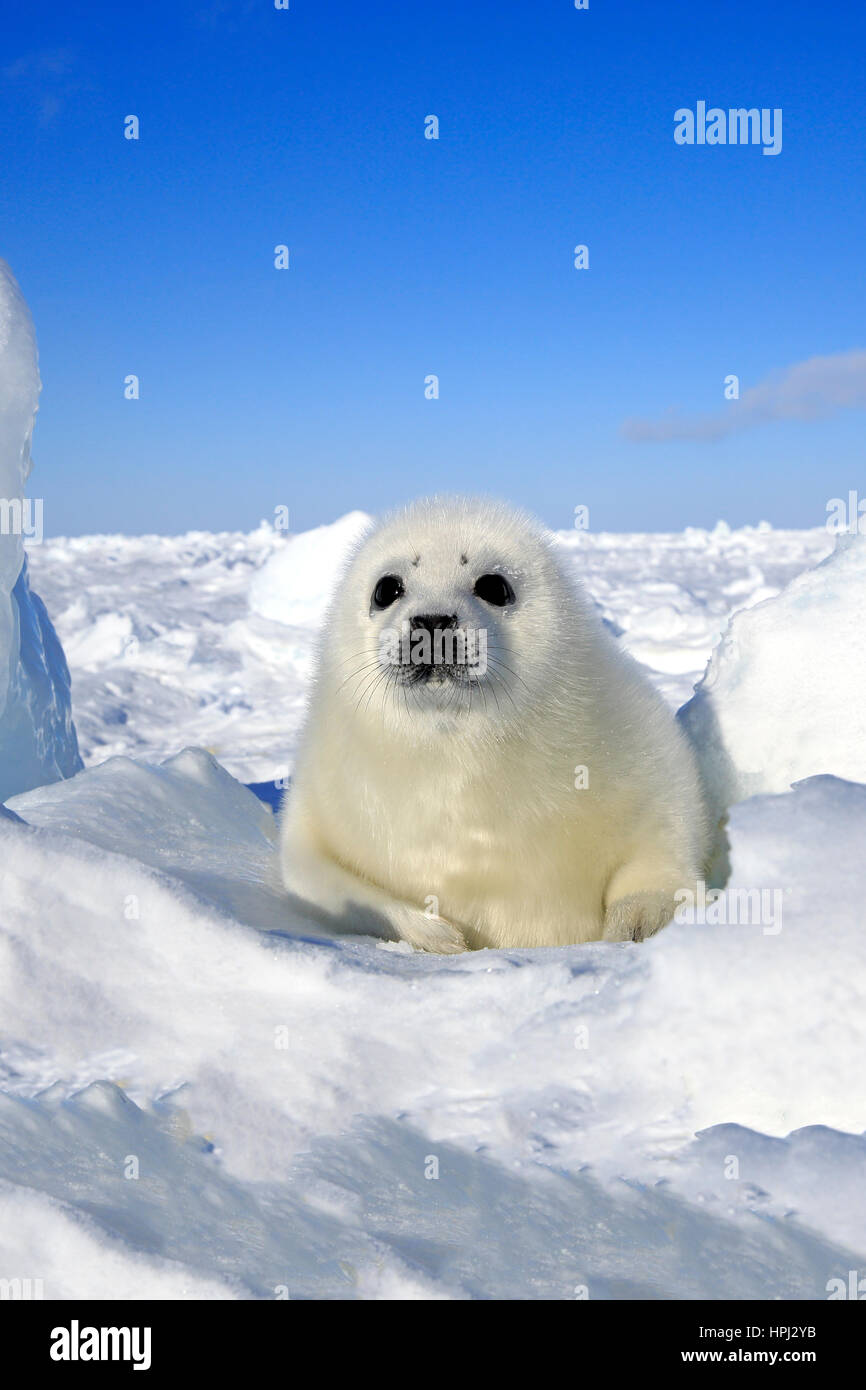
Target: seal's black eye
x: 387, y: 591
x: 495, y: 589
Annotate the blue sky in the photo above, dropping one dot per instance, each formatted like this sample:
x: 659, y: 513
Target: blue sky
x: 410, y: 257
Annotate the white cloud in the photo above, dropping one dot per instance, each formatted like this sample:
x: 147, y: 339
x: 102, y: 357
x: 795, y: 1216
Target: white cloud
x: 810, y: 390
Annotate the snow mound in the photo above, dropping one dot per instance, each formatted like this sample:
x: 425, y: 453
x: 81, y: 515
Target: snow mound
x: 37, y: 738
x: 187, y: 817
x: 76, y: 1259
x: 295, y: 585
x: 782, y: 698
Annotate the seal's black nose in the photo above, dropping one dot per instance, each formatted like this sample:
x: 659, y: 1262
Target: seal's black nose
x: 434, y: 622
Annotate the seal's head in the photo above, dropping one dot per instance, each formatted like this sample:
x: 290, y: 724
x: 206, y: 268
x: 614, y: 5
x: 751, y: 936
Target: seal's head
x: 452, y: 609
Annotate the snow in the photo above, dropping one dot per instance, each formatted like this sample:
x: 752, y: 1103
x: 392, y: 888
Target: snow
x: 284, y: 1093
x: 171, y: 646
x: 678, y: 1119
x: 37, y: 740
x: 782, y: 698
x: 295, y: 584
x: 187, y: 817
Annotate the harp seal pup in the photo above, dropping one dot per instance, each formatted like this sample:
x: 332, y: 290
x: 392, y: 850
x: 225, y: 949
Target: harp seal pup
x: 542, y: 796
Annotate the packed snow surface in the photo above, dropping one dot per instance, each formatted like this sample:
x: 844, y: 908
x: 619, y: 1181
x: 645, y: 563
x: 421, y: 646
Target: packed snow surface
x: 203, y: 1096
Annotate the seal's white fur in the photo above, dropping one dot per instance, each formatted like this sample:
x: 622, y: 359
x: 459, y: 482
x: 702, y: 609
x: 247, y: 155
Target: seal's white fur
x: 448, y: 816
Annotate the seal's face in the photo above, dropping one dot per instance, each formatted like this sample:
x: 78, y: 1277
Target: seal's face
x: 447, y: 613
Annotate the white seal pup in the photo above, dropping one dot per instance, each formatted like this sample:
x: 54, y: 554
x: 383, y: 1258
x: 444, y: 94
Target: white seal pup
x: 482, y: 765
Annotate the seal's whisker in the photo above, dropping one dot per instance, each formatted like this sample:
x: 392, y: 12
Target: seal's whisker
x: 495, y: 696
x: 353, y: 675
x: 371, y: 688
x: 505, y: 665
x: 375, y: 687
x: 491, y: 662
x: 363, y: 652
x: 369, y: 680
